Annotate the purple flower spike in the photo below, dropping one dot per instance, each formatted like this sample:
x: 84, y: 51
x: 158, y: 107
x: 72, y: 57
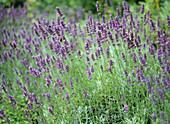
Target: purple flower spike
x: 98, y: 6
x: 92, y: 57
x: 50, y: 110
x: 126, y: 108
x: 109, y: 69
x: 107, y: 52
x: 59, y: 11
x: 152, y: 96
x: 122, y: 99
x: 160, y: 94
x: 67, y: 109
x: 48, y: 96
x: 71, y: 83
x: 67, y: 97
x: 101, y: 67
x: 123, y: 56
x: 125, y: 72
x: 162, y: 116
x: 142, y: 9
x: 78, y: 52
x: 67, y: 68
x: 148, y: 84
x: 153, y: 117
x: 85, y: 94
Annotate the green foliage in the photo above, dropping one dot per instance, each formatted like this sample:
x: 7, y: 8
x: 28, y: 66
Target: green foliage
x: 16, y: 3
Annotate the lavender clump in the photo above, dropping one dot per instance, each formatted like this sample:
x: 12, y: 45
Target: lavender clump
x: 109, y: 55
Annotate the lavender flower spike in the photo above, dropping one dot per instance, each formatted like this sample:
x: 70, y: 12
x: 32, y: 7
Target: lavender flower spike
x: 85, y: 93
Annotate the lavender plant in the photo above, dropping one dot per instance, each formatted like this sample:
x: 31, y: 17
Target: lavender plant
x: 101, y: 70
